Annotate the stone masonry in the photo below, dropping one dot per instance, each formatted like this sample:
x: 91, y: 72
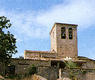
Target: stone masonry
x: 64, y: 47
x: 51, y: 64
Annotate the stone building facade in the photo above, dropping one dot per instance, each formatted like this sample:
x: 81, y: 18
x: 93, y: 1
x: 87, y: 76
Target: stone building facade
x: 38, y: 54
x: 63, y: 43
x: 64, y: 39
x: 51, y: 64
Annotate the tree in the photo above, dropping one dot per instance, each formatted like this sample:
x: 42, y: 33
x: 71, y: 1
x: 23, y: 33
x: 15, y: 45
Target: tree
x: 7, y: 41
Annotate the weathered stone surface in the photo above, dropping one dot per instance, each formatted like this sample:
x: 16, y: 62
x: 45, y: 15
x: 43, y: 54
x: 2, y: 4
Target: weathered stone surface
x: 50, y: 73
x: 38, y: 54
x: 64, y: 47
x: 22, y: 65
x: 90, y: 76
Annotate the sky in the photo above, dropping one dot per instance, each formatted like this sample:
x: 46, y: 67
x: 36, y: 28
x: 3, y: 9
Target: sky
x: 32, y: 21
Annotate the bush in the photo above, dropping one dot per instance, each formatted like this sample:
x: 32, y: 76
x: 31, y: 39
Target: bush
x: 32, y: 70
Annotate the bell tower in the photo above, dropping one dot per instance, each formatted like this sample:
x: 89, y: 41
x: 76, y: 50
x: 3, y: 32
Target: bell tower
x: 64, y: 39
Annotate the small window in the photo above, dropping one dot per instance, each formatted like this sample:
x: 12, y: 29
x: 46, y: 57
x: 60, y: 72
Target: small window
x: 63, y: 33
x: 70, y: 33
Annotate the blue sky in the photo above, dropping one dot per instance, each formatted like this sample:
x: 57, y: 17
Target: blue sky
x: 33, y: 19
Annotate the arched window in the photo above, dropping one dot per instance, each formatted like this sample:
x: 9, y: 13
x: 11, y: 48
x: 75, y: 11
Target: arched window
x: 70, y: 33
x: 63, y: 32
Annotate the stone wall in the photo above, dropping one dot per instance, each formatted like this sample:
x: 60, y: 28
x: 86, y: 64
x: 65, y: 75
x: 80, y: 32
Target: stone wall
x: 38, y: 54
x: 66, y: 47
x: 44, y: 68
x: 89, y: 65
x: 86, y: 71
x: 50, y: 73
x: 90, y: 76
x: 90, y: 70
x: 53, y: 39
x: 22, y: 65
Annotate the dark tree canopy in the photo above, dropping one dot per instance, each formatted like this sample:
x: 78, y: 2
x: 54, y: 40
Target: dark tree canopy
x: 7, y: 40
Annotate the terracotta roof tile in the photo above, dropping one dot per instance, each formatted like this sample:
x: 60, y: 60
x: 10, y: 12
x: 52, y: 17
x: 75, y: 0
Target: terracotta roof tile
x: 30, y: 51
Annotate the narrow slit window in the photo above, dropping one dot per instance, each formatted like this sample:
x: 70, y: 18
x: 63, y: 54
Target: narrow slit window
x: 63, y: 33
x: 70, y: 33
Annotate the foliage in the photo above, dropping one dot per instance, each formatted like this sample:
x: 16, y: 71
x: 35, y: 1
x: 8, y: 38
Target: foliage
x: 73, y: 69
x: 70, y: 64
x: 32, y: 70
x: 69, y: 67
x: 7, y: 41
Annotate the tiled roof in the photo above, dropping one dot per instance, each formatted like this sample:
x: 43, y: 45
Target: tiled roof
x: 38, y: 51
x: 85, y: 58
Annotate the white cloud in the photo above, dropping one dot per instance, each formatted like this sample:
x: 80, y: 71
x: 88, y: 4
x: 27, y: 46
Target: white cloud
x: 24, y: 24
x: 38, y: 24
x: 81, y: 12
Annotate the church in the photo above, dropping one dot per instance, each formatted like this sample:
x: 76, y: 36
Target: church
x: 63, y: 43
x: 63, y: 46
x: 51, y: 64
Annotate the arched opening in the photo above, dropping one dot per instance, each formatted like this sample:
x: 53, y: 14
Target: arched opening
x: 63, y: 33
x: 70, y: 33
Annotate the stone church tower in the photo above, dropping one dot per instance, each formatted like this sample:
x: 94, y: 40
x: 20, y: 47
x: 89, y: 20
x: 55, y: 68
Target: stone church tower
x: 64, y: 39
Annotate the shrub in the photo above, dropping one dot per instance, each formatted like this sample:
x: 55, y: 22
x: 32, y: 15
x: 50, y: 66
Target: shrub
x: 32, y: 70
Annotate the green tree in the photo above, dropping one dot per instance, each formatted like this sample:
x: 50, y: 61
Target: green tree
x: 7, y: 41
